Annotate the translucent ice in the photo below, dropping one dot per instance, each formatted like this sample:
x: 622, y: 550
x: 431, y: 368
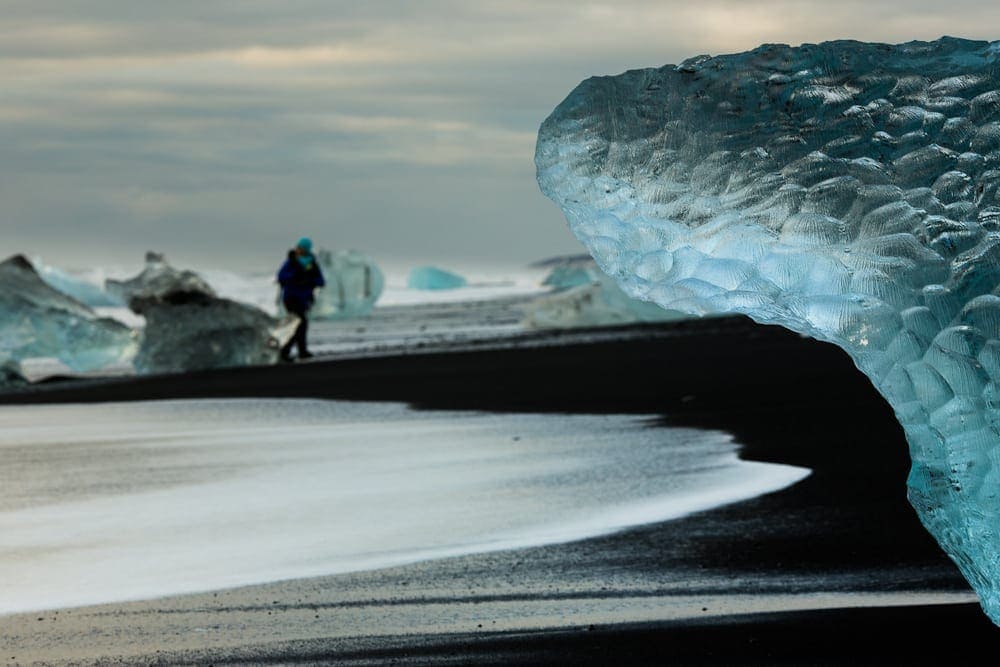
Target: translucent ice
x: 157, y: 279
x: 847, y: 191
x: 433, y: 278
x: 188, y: 327
x: 573, y: 273
x: 36, y: 320
x: 353, y: 285
x: 585, y: 296
x: 191, y: 330
x: 82, y: 290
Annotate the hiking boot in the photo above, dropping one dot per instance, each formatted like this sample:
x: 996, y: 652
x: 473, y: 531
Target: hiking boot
x: 306, y: 355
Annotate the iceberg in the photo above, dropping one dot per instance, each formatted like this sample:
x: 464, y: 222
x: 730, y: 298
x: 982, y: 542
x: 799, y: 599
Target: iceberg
x: 584, y: 296
x: 353, y: 285
x: 572, y: 271
x: 157, y: 279
x: 433, y: 278
x: 845, y: 190
x: 82, y: 290
x: 189, y: 328
x: 36, y: 320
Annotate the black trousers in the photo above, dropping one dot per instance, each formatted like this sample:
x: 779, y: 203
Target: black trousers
x: 299, y: 338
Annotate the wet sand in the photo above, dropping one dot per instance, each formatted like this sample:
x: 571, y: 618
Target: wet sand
x: 834, y: 570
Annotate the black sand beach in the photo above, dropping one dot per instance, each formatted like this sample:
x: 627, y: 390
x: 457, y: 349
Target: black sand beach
x: 834, y: 570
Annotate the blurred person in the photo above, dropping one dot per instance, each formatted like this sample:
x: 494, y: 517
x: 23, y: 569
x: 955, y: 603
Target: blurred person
x: 299, y: 277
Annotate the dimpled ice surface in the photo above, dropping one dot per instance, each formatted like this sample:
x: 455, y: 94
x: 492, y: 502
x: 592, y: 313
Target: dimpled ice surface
x: 847, y: 191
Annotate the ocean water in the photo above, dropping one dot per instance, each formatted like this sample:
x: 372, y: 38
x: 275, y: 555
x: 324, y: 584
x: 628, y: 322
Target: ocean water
x: 104, y: 503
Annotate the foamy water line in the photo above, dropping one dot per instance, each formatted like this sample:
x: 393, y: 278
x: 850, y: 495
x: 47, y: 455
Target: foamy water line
x: 105, y: 503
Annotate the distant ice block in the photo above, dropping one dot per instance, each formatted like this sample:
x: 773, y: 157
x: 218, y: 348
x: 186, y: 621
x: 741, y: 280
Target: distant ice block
x: 83, y: 291
x: 188, y: 327
x: 586, y: 297
x: 433, y: 278
x: 191, y: 331
x: 847, y: 191
x: 353, y: 285
x: 572, y: 271
x: 36, y: 320
x: 157, y: 279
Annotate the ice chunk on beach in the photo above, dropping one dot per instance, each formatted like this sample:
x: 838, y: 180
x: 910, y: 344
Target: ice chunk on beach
x: 37, y: 320
x: 188, y: 327
x: 157, y: 279
x: 191, y: 330
x: 433, y: 278
x: 353, y: 285
x: 585, y: 297
x: 847, y: 191
x: 571, y: 272
x: 82, y: 290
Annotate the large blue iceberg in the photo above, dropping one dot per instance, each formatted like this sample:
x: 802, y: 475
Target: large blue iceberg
x: 847, y: 191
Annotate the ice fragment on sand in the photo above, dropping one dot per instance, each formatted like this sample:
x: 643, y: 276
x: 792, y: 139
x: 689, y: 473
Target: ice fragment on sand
x: 433, y: 278
x: 36, y: 320
x: 82, y: 290
x: 847, y: 191
x: 157, y: 279
x: 188, y: 327
x: 353, y: 285
x: 585, y: 297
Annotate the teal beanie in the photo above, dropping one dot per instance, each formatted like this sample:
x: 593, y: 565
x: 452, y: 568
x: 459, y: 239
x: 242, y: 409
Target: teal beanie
x: 305, y: 243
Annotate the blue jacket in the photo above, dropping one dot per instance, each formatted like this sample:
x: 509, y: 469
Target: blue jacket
x: 298, y: 282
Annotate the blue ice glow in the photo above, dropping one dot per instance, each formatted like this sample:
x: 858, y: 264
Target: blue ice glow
x: 37, y: 320
x: 433, y: 278
x: 847, y: 191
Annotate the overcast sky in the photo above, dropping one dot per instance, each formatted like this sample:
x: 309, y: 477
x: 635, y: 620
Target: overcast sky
x: 220, y: 131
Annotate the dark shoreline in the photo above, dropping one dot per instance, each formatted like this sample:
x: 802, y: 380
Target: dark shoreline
x: 845, y: 528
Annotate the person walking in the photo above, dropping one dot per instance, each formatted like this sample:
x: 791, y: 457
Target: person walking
x: 299, y: 276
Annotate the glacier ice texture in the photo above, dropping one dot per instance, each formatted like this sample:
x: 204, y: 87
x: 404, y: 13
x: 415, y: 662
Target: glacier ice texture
x: 36, y: 320
x: 584, y: 296
x: 188, y: 327
x: 434, y: 278
x: 353, y: 285
x: 845, y: 190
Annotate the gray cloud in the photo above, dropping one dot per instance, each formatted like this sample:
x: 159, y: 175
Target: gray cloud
x: 218, y: 131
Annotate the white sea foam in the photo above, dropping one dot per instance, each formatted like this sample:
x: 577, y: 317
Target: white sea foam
x: 128, y: 501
